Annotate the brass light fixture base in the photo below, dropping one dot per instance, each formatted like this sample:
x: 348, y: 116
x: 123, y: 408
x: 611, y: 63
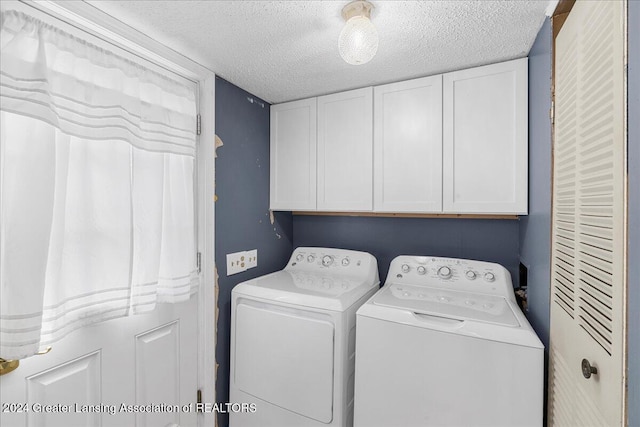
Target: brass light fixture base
x: 357, y: 8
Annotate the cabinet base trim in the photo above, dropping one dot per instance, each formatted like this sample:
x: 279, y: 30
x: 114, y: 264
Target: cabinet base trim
x: 409, y: 215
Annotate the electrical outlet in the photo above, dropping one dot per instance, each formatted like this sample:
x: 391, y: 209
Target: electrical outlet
x: 238, y: 262
x: 252, y: 258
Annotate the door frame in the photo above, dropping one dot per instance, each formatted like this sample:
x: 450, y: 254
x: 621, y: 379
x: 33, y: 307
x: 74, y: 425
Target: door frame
x: 98, y: 23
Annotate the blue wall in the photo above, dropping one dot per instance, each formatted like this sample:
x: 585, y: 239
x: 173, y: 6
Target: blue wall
x: 535, y: 229
x: 535, y: 239
x: 242, y: 208
x: 385, y: 238
x: 633, y: 302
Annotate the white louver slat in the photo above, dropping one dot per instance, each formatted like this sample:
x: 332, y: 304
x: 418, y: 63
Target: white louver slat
x: 565, y: 157
x: 588, y: 232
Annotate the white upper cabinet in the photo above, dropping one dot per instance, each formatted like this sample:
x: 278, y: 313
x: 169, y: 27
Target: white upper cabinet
x: 293, y: 155
x: 485, y: 139
x: 408, y: 146
x: 345, y: 151
x: 452, y: 143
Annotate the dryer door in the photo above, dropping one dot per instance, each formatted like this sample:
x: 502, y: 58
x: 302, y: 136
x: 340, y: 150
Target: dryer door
x: 285, y: 357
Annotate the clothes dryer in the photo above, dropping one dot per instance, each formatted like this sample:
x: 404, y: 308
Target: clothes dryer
x: 293, y: 339
x: 444, y: 343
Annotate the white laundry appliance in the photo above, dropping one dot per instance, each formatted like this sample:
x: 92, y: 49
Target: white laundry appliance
x: 444, y: 343
x: 293, y: 339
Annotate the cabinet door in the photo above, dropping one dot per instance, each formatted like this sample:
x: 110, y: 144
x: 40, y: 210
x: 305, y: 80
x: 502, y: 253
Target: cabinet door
x: 485, y: 139
x: 408, y: 146
x: 345, y: 151
x: 293, y: 155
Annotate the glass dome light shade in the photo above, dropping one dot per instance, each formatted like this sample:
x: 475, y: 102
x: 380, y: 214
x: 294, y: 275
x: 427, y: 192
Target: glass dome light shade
x: 358, y: 41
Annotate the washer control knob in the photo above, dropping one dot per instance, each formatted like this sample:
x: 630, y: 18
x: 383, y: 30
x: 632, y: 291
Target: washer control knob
x: 327, y: 260
x: 471, y: 275
x: 489, y: 277
x: 299, y: 257
x: 311, y: 258
x: 444, y: 272
x: 422, y: 270
x: 405, y: 268
x: 345, y: 261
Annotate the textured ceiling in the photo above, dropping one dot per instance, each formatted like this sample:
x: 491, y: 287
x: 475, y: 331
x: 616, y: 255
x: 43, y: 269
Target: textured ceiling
x: 286, y: 50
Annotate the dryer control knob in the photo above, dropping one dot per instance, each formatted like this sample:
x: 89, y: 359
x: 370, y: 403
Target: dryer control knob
x: 444, y: 272
x: 311, y: 258
x: 327, y: 260
x: 405, y: 268
x: 299, y: 257
x: 471, y: 275
x: 345, y: 261
x: 489, y: 277
x: 422, y: 270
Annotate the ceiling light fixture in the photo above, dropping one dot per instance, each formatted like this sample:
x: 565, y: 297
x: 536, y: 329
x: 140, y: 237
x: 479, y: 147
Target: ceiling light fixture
x: 358, y: 42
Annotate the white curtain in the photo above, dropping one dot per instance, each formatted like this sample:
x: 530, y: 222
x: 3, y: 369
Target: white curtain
x: 97, y: 186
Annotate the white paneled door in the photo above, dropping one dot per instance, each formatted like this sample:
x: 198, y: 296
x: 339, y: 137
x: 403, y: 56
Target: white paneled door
x: 133, y: 371
x: 587, y: 334
x: 140, y: 370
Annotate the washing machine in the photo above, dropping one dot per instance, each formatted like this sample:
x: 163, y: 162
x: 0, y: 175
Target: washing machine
x: 444, y: 343
x: 293, y: 339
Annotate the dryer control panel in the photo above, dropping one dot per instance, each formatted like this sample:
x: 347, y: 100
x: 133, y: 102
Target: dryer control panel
x: 452, y: 274
x: 332, y: 261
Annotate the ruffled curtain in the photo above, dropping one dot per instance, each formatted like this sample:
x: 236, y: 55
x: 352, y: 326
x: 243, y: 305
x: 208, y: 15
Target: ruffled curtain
x: 97, y: 186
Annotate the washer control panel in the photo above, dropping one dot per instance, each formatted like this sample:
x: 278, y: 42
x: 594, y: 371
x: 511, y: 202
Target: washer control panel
x: 354, y: 264
x: 424, y: 300
x: 452, y: 274
x: 479, y: 302
x: 330, y: 285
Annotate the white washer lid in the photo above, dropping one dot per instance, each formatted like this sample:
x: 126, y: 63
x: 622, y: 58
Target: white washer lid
x: 323, y: 291
x: 447, y: 303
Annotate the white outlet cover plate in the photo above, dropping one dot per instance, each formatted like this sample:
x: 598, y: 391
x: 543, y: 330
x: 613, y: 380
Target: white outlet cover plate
x: 236, y: 263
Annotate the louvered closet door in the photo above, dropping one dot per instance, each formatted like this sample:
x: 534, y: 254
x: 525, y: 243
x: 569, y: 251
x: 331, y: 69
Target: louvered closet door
x: 588, y: 236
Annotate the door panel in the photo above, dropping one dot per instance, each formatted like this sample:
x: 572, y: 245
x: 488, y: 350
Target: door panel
x: 588, y: 235
x: 136, y: 360
x: 158, y: 382
x: 78, y: 380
